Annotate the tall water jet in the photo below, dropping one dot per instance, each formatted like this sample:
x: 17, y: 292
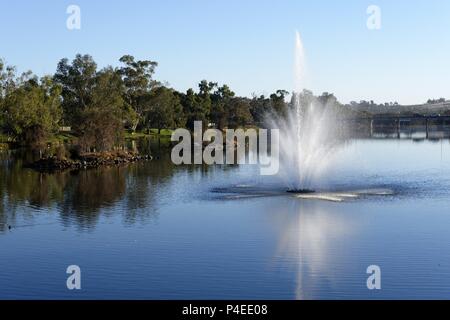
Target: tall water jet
x: 299, y: 64
x: 309, y: 133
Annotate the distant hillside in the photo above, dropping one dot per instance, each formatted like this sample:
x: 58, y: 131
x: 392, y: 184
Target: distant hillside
x: 428, y: 109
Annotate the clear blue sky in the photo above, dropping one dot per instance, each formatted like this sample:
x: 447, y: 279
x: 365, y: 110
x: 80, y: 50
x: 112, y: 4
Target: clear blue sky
x: 248, y: 44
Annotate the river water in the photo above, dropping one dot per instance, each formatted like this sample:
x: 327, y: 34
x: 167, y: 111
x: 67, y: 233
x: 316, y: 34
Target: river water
x: 152, y: 230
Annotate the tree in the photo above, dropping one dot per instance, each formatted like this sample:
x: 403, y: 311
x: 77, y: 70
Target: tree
x: 165, y: 110
x: 204, y: 95
x: 77, y: 81
x: 259, y: 108
x: 33, y: 110
x: 239, y: 112
x: 138, y: 80
x: 220, y: 106
x: 2, y: 107
x: 8, y: 79
x: 329, y: 99
x: 278, y: 103
x: 191, y: 108
x: 440, y: 100
x: 7, y: 84
x: 101, y: 121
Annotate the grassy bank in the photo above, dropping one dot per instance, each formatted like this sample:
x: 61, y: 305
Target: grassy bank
x: 67, y: 137
x: 148, y: 133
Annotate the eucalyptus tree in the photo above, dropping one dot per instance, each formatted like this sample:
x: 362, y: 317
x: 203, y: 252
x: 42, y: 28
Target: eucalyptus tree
x: 278, y: 103
x: 101, y: 121
x: 191, y: 108
x: 137, y: 76
x: 220, y: 108
x: 239, y: 114
x: 33, y: 109
x: 259, y: 108
x: 77, y: 80
x: 165, y: 109
x: 204, y: 100
x: 7, y: 84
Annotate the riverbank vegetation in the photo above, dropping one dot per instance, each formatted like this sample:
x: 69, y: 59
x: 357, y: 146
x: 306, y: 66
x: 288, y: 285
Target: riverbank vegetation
x: 96, y: 109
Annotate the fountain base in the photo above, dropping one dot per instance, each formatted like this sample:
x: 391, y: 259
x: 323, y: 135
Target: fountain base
x: 300, y: 191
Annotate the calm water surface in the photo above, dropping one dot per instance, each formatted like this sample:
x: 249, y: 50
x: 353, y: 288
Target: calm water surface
x: 155, y: 231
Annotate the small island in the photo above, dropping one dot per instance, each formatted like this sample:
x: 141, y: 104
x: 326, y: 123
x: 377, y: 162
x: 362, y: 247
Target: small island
x: 88, y: 160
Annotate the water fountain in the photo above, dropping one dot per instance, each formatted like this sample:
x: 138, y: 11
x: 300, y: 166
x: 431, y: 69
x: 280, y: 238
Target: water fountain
x: 309, y: 134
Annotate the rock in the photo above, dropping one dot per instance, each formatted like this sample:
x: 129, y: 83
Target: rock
x: 88, y: 161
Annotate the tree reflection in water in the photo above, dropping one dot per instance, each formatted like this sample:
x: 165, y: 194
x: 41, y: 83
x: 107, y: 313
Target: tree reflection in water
x: 81, y: 197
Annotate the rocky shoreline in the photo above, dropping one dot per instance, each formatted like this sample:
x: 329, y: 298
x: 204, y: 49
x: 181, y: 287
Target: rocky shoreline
x: 85, y: 161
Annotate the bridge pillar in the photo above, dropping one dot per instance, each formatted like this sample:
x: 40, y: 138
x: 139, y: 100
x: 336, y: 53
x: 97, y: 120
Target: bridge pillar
x: 371, y: 128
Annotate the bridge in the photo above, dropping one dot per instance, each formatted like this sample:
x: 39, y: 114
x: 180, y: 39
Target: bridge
x: 410, y: 124
x: 433, y: 126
